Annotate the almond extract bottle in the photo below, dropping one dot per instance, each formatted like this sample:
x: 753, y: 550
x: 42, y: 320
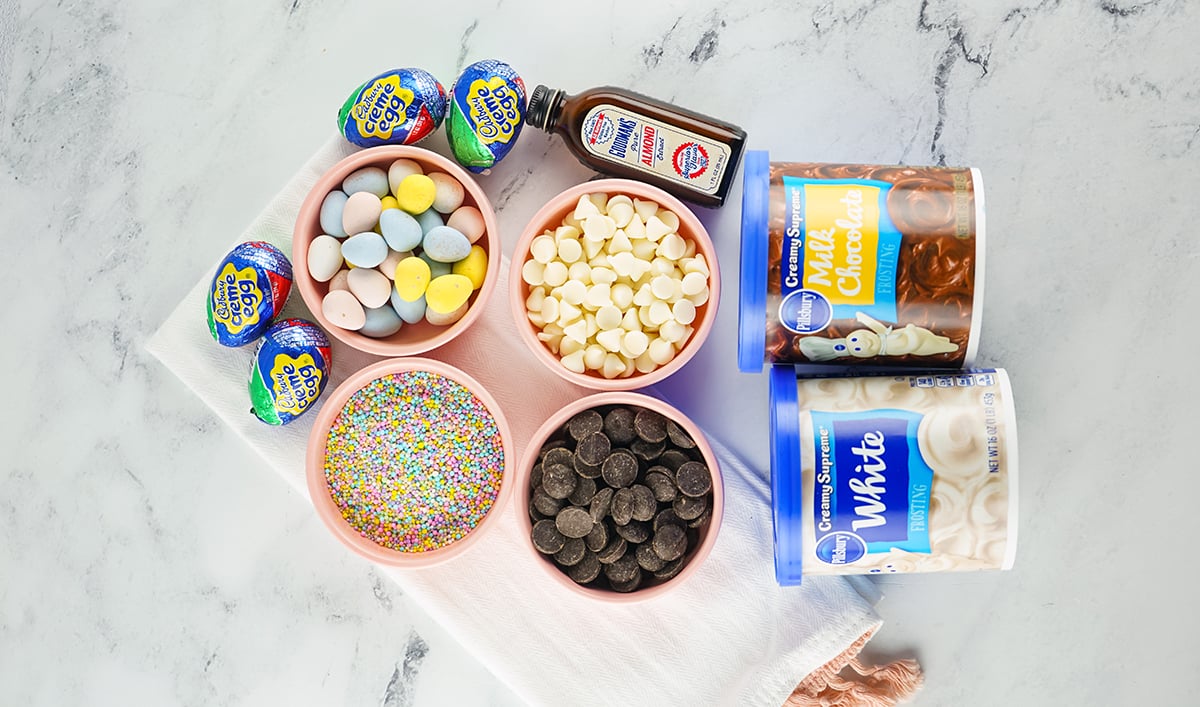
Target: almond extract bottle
x: 629, y: 135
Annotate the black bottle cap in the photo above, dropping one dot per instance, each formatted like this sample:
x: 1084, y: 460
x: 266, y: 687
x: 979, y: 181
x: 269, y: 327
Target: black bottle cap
x: 537, y: 112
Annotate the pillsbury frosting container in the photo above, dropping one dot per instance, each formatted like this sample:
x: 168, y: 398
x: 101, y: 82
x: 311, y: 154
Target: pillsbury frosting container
x: 893, y: 474
x: 860, y: 265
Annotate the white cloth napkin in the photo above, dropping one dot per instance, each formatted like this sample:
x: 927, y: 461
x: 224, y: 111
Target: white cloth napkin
x: 729, y: 635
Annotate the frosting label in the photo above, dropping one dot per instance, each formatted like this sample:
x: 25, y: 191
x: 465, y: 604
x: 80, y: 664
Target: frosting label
x: 840, y: 251
x: 872, y: 488
x: 655, y: 147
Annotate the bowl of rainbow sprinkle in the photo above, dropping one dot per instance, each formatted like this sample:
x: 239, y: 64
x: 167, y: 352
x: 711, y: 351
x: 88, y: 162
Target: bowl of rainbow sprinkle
x: 407, y: 462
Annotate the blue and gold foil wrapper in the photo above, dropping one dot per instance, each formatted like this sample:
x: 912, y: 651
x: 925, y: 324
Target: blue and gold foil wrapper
x: 487, y: 110
x: 290, y: 370
x: 251, y: 285
x: 397, y: 107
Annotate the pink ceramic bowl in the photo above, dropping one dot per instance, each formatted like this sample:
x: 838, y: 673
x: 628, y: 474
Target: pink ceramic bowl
x: 412, y: 338
x: 708, y: 533
x: 550, y: 217
x: 318, y: 489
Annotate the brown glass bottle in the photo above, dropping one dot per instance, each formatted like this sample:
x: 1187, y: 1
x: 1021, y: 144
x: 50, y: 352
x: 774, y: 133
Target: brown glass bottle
x: 629, y: 135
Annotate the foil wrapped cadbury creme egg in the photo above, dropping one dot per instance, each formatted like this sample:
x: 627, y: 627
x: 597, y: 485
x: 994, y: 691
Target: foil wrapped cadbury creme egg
x: 290, y: 369
x: 397, y: 107
x: 487, y: 109
x: 251, y: 285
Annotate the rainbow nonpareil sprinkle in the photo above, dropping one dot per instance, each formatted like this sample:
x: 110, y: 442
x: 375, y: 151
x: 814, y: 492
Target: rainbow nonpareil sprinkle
x: 414, y: 461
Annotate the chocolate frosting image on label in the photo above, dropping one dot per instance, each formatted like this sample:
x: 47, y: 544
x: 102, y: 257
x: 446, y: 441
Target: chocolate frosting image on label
x: 872, y: 265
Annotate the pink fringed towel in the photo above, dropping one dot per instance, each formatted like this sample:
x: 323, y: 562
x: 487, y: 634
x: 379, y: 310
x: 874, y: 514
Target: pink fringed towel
x: 730, y: 635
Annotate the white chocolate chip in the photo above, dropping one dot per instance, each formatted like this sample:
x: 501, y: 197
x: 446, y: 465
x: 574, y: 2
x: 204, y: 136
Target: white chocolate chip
x: 532, y: 272
x: 574, y: 362
x: 576, y: 331
x: 550, y: 309
x: 645, y: 209
x: 611, y: 339
x: 570, y: 221
x: 555, y: 273
x: 534, y: 301
x: 620, y: 243
x: 690, y: 249
x: 634, y: 344
x: 636, y: 227
x: 535, y: 318
x: 622, y: 295
x: 569, y: 250
x: 662, y: 266
x: 620, y: 207
x: 568, y: 313
x: 684, y: 311
x: 672, y: 246
x: 630, y: 369
x: 542, y: 249
x: 567, y: 233
x: 644, y: 296
x: 603, y: 276
x: 656, y: 229
x: 585, y: 208
x: 609, y: 317
x: 700, y: 297
x: 598, y: 295
x: 599, y: 260
x: 592, y: 327
x: 644, y: 317
x: 664, y: 287
x: 599, y: 228
x: 599, y: 199
x: 582, y: 272
x: 573, y: 290
x: 630, y: 321
x: 671, y: 330
x: 645, y: 364
x: 593, y: 357
x: 659, y: 313
x: 661, y: 351
x: 694, y: 283
x: 613, y: 366
x: 592, y: 248
x: 695, y: 264
x: 670, y: 218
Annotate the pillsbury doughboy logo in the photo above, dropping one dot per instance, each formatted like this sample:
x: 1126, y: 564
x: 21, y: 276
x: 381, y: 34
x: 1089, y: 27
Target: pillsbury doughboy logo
x: 872, y: 486
x: 236, y: 298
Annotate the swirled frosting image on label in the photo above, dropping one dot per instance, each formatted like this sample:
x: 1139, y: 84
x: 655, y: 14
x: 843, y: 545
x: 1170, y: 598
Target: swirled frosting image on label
x: 873, y: 265
x: 899, y: 473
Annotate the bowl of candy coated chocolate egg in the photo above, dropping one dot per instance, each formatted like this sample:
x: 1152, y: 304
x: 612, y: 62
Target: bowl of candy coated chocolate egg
x: 395, y: 250
x: 614, y: 284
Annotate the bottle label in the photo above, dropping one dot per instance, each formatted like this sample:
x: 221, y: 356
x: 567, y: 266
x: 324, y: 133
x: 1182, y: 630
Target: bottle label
x: 652, y: 146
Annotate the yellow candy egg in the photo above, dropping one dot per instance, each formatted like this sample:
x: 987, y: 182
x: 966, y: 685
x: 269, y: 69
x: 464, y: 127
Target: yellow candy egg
x: 447, y: 293
x: 412, y: 278
x: 416, y: 193
x: 474, y: 266
x: 389, y: 202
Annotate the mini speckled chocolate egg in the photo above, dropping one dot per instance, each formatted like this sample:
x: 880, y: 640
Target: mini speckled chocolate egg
x: 251, y: 285
x: 397, y: 107
x: 290, y: 370
x: 487, y: 109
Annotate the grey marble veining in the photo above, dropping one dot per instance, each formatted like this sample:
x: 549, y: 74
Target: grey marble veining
x: 147, y: 557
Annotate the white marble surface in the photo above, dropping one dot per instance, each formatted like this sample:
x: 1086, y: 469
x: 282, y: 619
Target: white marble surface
x: 146, y: 557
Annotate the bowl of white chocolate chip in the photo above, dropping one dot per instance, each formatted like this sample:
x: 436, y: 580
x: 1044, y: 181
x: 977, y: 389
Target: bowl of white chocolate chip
x: 614, y: 284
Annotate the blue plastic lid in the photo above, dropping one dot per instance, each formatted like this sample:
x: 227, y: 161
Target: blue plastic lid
x: 786, y: 481
x: 752, y: 302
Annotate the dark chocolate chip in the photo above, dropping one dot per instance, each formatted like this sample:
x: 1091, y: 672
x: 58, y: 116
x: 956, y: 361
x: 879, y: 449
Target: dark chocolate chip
x: 648, y: 559
x: 620, y: 468
x: 670, y: 569
x: 587, y: 471
x: 572, y: 552
x: 612, y: 552
x: 584, y: 424
x: 558, y: 455
x: 678, y: 436
x: 689, y: 508
x: 635, y: 531
x: 660, y: 484
x: 647, y: 451
x: 584, y: 491
x: 672, y: 459
x: 650, y: 426
x: 546, y: 504
x: 551, y: 444
x: 667, y: 516
x: 670, y: 542
x: 574, y: 522
x: 701, y: 520
x: 598, y: 538
x: 618, y: 425
x: 546, y: 537
x: 693, y: 479
x: 631, y: 585
x: 593, y: 449
x: 559, y: 480
x: 622, y: 506
x: 534, y: 514
x: 535, y: 476
x: 586, y: 570
x: 644, y: 504
x: 601, y: 503
x: 623, y: 569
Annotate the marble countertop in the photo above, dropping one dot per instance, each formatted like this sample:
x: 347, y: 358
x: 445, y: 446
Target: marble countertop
x: 147, y: 557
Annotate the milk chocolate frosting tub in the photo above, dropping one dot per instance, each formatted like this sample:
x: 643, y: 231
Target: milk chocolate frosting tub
x: 860, y: 265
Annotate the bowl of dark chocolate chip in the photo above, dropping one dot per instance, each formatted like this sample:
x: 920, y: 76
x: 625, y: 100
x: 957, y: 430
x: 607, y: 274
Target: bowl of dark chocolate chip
x: 623, y: 497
